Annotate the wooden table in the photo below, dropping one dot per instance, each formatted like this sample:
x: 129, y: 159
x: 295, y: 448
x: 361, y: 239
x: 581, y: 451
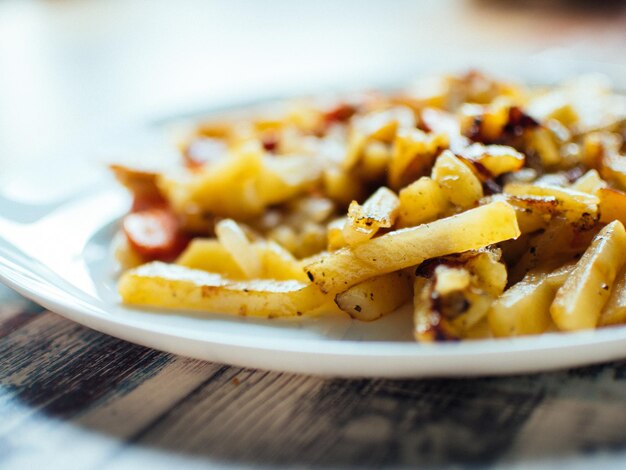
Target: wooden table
x: 74, y: 398
x: 75, y: 72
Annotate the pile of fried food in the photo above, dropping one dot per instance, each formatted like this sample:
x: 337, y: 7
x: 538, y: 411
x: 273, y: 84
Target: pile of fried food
x: 492, y: 208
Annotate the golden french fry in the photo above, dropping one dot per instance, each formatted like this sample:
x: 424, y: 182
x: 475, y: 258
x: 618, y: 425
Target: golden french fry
x: 373, y: 298
x: 470, y: 230
x: 580, y: 300
x: 176, y: 287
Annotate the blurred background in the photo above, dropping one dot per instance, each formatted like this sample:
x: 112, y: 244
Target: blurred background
x: 77, y: 75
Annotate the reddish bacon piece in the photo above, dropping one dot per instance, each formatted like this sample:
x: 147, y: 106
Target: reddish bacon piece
x: 339, y: 113
x: 155, y: 234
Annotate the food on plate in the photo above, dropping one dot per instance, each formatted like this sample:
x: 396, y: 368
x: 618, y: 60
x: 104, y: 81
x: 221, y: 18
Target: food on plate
x: 487, y: 208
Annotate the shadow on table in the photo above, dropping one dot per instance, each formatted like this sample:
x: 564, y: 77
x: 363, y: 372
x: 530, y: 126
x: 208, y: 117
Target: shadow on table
x: 190, y: 409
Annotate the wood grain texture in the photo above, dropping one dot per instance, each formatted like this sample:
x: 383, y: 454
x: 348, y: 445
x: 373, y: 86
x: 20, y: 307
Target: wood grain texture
x: 69, y: 395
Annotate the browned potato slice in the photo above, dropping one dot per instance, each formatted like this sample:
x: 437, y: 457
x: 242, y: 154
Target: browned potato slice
x: 559, y: 243
x: 379, y: 211
x: 533, y: 212
x: 524, y: 309
x: 614, y: 311
x: 413, y: 155
x: 473, y: 229
x: 176, y: 287
x: 578, y: 207
x: 421, y: 202
x: 450, y: 305
x: 458, y: 183
x: 490, y: 273
x: 496, y: 159
x: 376, y: 297
x: 580, y: 300
x: 428, y: 323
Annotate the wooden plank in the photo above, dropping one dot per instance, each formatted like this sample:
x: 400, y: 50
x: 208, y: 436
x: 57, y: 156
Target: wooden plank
x: 70, y: 391
x: 71, y: 394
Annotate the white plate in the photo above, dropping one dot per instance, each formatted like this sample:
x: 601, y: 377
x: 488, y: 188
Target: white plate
x: 63, y: 261
x: 59, y: 256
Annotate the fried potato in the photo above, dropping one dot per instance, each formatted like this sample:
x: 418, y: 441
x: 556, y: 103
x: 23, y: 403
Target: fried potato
x: 334, y: 233
x: 489, y: 272
x: 533, y: 212
x: 420, y: 202
x: 427, y: 322
x: 451, y: 305
x: 236, y: 242
x: 242, y: 184
x: 496, y: 159
x: 225, y: 188
x: 580, y: 300
x: 559, y: 243
x: 373, y: 298
x: 545, y: 146
x: 589, y: 183
x: 612, y: 205
x: 500, y: 213
x: 210, y: 255
x: 163, y: 285
x: 413, y: 155
x: 376, y: 157
x: 376, y: 126
x: 379, y: 211
x: 524, y: 309
x: 341, y: 186
x: 278, y: 263
x: 578, y: 207
x: 614, y: 311
x: 458, y: 183
x: 285, y: 176
x: 473, y: 229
